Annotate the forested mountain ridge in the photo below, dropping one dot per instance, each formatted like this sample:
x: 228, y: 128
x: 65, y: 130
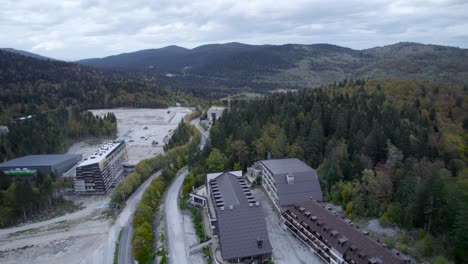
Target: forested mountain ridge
x: 30, y: 86
x: 269, y: 67
x: 391, y: 149
x: 26, y: 53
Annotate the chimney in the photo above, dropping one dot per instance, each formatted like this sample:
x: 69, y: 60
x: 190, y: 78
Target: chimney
x: 269, y: 155
x: 260, y: 242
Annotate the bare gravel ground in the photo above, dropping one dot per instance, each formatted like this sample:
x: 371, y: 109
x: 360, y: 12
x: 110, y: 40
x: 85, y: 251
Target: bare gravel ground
x: 191, y: 239
x: 286, y: 248
x: 139, y: 128
x: 88, y: 236
x: 65, y: 239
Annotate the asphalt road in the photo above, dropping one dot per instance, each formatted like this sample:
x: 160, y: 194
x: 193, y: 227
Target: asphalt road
x: 125, y: 249
x: 177, y: 250
x: 125, y: 246
x: 125, y: 221
x: 205, y: 135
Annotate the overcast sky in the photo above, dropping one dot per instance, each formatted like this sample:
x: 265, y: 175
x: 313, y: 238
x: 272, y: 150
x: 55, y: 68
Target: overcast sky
x: 95, y: 28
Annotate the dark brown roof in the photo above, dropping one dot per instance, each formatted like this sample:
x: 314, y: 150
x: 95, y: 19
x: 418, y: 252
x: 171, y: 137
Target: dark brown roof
x: 346, y: 239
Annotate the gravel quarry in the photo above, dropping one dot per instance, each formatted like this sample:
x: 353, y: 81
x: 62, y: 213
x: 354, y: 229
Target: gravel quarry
x: 144, y: 130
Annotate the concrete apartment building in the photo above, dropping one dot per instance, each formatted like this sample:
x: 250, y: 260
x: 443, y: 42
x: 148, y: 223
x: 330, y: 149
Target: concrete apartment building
x: 102, y: 170
x: 236, y: 218
x: 335, y: 240
x: 288, y: 182
x: 214, y: 113
x: 57, y: 164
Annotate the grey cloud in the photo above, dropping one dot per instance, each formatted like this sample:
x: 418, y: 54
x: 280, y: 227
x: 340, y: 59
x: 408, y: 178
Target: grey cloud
x: 96, y: 28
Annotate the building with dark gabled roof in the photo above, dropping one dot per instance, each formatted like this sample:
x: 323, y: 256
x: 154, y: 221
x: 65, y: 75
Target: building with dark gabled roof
x: 333, y: 239
x: 289, y: 181
x: 239, y: 223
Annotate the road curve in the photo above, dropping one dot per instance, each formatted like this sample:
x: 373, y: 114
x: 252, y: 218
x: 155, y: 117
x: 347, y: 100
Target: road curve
x: 204, y: 135
x: 124, y: 221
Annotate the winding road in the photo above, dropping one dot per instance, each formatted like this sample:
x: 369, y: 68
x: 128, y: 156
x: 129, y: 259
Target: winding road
x: 125, y: 221
x: 177, y: 250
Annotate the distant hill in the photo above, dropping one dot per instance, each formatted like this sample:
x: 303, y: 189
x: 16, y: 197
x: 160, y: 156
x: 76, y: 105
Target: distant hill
x: 27, y: 54
x: 29, y: 86
x: 268, y: 67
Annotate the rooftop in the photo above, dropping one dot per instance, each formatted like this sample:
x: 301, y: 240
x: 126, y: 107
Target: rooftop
x: 295, y: 181
x: 216, y: 108
x: 240, y: 219
x: 343, y: 236
x: 101, y: 153
x: 282, y: 166
x: 39, y: 160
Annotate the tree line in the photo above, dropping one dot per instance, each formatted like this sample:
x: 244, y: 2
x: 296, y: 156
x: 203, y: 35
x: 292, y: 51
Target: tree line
x: 29, y: 86
x: 390, y: 149
x: 144, y: 219
x: 53, y: 131
x: 21, y: 198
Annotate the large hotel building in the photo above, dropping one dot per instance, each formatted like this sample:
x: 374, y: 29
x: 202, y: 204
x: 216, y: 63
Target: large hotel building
x: 102, y: 170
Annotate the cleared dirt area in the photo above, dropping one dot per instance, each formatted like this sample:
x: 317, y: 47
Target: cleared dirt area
x: 144, y: 130
x: 66, y: 239
x: 88, y: 235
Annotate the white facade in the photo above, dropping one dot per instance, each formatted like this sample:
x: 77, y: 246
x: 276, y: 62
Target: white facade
x: 214, y: 113
x: 3, y: 130
x: 268, y: 183
x: 102, y: 170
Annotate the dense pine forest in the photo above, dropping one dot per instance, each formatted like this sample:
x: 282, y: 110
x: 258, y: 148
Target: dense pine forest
x: 30, y: 86
x: 45, y: 133
x: 52, y: 132
x: 389, y: 149
x: 44, y: 106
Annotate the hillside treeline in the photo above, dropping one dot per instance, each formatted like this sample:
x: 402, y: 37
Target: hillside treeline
x: 396, y: 150
x: 145, y: 217
x: 181, y: 134
x: 52, y: 132
x: 30, y: 86
x: 21, y: 199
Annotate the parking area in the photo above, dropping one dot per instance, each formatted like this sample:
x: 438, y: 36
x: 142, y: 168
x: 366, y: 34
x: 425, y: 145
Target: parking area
x: 286, y: 248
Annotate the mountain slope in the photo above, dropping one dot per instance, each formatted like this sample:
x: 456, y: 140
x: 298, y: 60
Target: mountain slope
x: 236, y: 65
x: 30, y: 86
x: 26, y: 53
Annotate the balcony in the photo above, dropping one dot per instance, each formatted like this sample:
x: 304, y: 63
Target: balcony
x: 314, y: 241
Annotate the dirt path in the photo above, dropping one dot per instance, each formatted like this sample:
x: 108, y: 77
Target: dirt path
x: 90, y: 208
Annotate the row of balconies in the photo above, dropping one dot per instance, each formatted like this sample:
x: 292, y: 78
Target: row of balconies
x: 270, y: 180
x: 315, y: 238
x: 309, y: 243
x: 272, y: 190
